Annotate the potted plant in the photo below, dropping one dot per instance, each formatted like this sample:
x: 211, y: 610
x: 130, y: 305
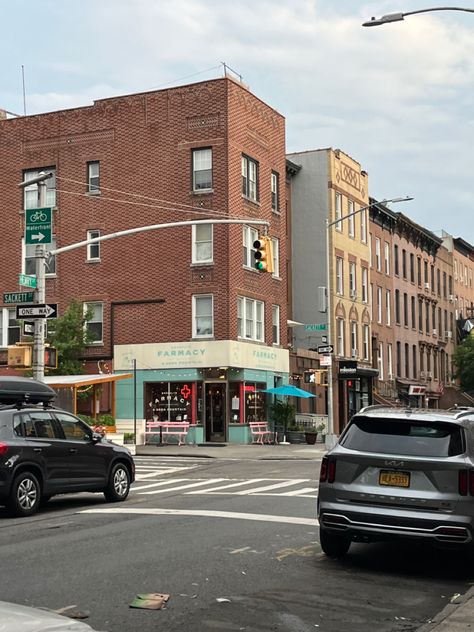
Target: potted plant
x: 296, y: 433
x: 310, y: 434
x: 283, y: 413
x: 129, y: 437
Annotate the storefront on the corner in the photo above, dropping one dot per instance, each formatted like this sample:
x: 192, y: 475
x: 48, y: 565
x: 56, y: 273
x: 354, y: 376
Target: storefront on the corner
x: 217, y: 386
x: 355, y: 384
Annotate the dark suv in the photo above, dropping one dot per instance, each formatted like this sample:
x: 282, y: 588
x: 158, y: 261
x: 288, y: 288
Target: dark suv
x: 46, y: 451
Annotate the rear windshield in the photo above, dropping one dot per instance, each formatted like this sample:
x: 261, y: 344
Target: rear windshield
x: 410, y: 438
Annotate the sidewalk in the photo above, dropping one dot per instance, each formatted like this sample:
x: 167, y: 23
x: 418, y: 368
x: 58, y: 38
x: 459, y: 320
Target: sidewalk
x: 235, y: 451
x: 457, y: 616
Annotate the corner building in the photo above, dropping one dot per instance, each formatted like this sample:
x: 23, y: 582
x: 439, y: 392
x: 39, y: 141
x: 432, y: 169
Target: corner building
x: 205, y: 330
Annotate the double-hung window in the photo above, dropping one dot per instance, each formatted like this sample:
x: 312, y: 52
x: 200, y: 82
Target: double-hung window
x: 202, y: 236
x: 29, y: 260
x: 340, y: 336
x: 387, y: 257
x: 276, y: 256
x: 95, y: 321
x: 249, y: 236
x: 339, y: 276
x: 352, y: 281
x: 250, y: 315
x: 93, y: 250
x: 276, y: 324
x: 31, y: 199
x: 365, y: 276
x: 275, y: 186
x: 250, y: 178
x: 363, y: 227
x: 338, y: 211
x: 203, y: 316
x: 378, y: 263
x: 365, y: 342
x: 9, y: 327
x: 350, y: 218
x: 202, y: 169
x: 93, y: 177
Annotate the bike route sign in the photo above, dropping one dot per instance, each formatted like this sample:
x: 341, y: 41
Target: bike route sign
x: 38, y: 225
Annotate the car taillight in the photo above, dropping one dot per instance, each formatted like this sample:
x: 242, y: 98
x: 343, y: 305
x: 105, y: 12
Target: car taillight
x: 328, y: 470
x: 463, y: 482
x: 3, y: 448
x: 323, y: 474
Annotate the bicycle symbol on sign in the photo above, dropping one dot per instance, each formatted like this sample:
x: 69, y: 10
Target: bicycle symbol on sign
x: 39, y: 216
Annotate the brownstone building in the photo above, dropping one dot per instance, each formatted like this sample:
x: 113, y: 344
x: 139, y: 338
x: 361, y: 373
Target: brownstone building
x: 206, y: 330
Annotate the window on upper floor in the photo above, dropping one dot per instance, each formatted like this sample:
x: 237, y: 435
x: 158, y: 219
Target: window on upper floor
x: 250, y: 178
x: 363, y: 226
x: 364, y: 285
x: 352, y: 281
x: 95, y: 322
x: 30, y: 193
x: 275, y: 187
x: 276, y: 324
x: 395, y: 260
x: 378, y: 262
x: 339, y: 276
x: 351, y: 218
x: 202, y: 243
x: 93, y: 177
x: 404, y: 263
x: 340, y: 327
x: 29, y: 261
x: 365, y: 342
x: 203, y: 316
x: 250, y: 319
x: 9, y: 327
x: 387, y: 257
x: 93, y: 250
x: 249, y: 236
x: 202, y: 169
x: 276, y: 256
x: 338, y: 211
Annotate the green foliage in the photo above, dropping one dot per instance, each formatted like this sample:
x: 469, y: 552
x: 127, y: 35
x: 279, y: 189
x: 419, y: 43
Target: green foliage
x: 128, y: 436
x: 69, y: 335
x: 463, y: 358
x: 106, y: 420
x: 88, y: 420
x: 282, y: 412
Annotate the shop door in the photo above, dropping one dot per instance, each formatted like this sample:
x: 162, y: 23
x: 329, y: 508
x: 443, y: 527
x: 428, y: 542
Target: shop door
x: 215, y: 416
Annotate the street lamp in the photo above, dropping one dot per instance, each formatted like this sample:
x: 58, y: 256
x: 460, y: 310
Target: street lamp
x: 399, y: 17
x: 331, y: 437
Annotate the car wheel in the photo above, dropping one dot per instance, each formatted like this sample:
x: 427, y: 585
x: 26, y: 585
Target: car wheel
x: 333, y: 545
x: 119, y: 484
x: 25, y: 495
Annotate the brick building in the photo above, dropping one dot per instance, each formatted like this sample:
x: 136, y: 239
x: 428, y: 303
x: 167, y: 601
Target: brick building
x: 207, y: 331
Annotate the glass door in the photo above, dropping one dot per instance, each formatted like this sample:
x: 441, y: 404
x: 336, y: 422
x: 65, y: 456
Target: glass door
x: 215, y: 418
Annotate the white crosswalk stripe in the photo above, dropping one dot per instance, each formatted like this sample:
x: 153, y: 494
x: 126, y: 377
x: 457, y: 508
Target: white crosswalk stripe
x: 253, y: 487
x: 148, y: 468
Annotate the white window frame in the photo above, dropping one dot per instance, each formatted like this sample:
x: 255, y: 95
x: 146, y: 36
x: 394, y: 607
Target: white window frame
x: 93, y: 177
x: 389, y: 361
x: 50, y: 262
x: 363, y: 226
x: 276, y: 324
x: 340, y: 325
x: 5, y: 326
x: 380, y: 360
x: 338, y: 211
x: 364, y: 284
x: 387, y: 257
x: 352, y: 280
x: 95, y: 247
x: 275, y: 191
x: 340, y: 276
x: 199, y: 242
x: 378, y: 263
x: 250, y: 169
x: 250, y: 319
x: 276, y: 257
x: 351, y: 218
x: 365, y: 342
x: 354, y: 339
x: 31, y: 201
x: 195, y: 315
x: 379, y: 305
x: 388, y: 308
x: 202, y: 162
x: 249, y: 235
x: 93, y: 305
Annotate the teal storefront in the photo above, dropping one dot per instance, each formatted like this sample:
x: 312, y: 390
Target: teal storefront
x: 216, y: 386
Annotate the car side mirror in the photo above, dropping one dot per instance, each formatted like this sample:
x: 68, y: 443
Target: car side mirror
x: 96, y: 437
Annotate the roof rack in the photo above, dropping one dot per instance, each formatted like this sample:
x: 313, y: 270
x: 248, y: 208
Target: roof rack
x: 18, y: 391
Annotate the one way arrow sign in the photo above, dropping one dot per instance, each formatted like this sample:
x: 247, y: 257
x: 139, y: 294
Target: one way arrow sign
x: 37, y: 310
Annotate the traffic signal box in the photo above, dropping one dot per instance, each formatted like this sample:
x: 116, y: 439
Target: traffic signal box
x: 263, y: 254
x: 318, y: 377
x: 20, y: 356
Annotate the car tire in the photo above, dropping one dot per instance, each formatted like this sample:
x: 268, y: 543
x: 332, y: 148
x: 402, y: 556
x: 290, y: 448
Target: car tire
x: 25, y: 495
x: 333, y: 545
x: 119, y: 484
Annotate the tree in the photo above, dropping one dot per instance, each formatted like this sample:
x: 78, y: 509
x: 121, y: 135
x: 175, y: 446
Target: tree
x: 283, y: 413
x: 70, y: 336
x: 464, y: 361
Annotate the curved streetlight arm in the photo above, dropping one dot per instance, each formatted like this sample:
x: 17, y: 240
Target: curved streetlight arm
x: 406, y: 198
x: 398, y: 17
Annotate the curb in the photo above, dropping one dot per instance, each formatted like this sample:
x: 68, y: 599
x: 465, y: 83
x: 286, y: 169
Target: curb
x: 457, y: 616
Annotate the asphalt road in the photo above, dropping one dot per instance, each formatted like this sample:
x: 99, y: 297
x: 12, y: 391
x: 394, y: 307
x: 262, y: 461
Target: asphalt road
x: 234, y: 544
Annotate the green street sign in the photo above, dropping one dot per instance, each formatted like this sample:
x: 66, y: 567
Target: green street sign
x: 12, y: 298
x: 27, y: 280
x: 320, y: 327
x: 38, y: 226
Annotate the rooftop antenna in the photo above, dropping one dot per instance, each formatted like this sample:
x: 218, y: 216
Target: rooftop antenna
x: 24, y: 92
x: 230, y: 71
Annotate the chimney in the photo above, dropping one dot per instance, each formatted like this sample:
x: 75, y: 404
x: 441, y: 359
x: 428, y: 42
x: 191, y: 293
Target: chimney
x: 3, y: 114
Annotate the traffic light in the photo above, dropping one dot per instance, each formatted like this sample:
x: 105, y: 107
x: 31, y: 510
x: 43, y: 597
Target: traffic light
x: 309, y: 377
x: 322, y: 377
x: 263, y: 254
x: 50, y: 358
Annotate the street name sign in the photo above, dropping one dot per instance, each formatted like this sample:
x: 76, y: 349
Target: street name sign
x: 38, y: 225
x: 27, y: 280
x: 319, y: 327
x: 39, y: 310
x: 326, y: 349
x: 11, y: 298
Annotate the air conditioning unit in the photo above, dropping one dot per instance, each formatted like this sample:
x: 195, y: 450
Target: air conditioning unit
x: 451, y: 298
x: 353, y: 294
x: 353, y: 353
x: 448, y: 334
x: 427, y: 286
x: 435, y: 332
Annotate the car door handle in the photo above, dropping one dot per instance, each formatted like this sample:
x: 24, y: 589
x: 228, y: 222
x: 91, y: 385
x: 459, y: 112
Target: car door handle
x: 37, y: 449
x: 73, y: 450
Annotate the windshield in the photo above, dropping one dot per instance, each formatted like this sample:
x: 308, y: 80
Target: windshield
x: 404, y: 437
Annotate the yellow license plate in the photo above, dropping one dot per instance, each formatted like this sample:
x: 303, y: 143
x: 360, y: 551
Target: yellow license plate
x: 394, y: 479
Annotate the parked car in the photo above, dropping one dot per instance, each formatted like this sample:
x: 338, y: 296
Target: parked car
x: 17, y: 618
x: 399, y: 473
x: 46, y: 451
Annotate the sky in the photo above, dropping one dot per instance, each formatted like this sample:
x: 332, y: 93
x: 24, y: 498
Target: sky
x: 398, y: 98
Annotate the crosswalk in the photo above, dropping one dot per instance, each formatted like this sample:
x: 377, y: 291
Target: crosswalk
x: 146, y: 468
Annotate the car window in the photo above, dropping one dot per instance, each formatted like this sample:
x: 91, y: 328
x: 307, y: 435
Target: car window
x: 74, y: 429
x: 41, y: 424
x: 23, y: 426
x: 404, y: 437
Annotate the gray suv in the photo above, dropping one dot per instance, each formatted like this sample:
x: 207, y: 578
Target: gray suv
x: 399, y: 473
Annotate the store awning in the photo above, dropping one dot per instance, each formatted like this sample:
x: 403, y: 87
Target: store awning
x: 76, y: 382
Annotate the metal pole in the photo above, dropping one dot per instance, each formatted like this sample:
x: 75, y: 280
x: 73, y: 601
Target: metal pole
x: 331, y: 437
x: 135, y: 400
x: 40, y: 260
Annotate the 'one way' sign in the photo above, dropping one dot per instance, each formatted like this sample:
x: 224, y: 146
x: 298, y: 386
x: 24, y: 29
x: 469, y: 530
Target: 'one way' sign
x: 37, y: 310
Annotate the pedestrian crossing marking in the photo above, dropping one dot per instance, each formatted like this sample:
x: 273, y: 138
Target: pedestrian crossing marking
x: 180, y: 487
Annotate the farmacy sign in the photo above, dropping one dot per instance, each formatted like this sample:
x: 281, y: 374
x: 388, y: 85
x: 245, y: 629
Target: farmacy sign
x: 178, y: 355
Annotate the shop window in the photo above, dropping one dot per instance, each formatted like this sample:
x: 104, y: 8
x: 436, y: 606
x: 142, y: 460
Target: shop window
x: 255, y: 402
x: 170, y: 401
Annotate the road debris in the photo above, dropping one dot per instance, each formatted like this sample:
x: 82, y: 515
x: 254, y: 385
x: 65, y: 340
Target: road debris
x: 150, y: 601
x: 454, y: 598
x: 223, y: 600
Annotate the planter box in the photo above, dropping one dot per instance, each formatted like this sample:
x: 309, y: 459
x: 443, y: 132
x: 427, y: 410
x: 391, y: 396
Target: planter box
x: 295, y: 436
